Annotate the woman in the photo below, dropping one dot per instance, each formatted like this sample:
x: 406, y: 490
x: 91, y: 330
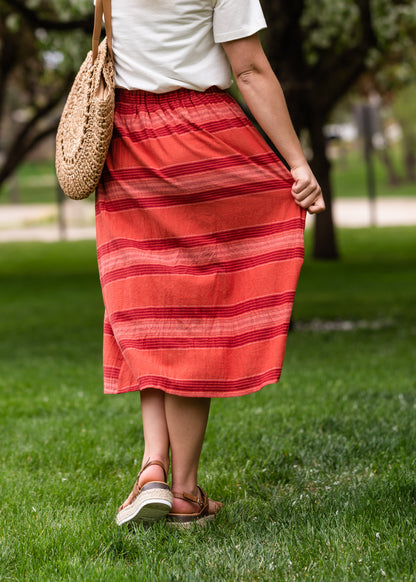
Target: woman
x: 199, y: 232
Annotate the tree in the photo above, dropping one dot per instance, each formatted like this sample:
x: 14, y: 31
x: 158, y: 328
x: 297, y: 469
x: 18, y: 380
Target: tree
x: 41, y: 47
x: 404, y: 109
x: 319, y: 49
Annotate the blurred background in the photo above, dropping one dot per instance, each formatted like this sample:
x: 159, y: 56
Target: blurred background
x: 348, y: 69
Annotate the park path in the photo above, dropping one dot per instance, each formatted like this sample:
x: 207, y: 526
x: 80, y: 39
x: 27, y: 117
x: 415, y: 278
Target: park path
x: 39, y: 222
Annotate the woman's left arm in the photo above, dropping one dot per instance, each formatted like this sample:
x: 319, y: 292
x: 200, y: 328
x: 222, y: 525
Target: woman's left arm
x: 263, y: 94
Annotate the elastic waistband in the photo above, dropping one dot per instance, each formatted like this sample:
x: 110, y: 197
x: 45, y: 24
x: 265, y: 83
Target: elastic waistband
x: 180, y: 97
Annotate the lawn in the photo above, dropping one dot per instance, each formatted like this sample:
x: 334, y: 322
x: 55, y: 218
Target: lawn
x: 33, y: 183
x: 349, y: 175
x: 317, y: 474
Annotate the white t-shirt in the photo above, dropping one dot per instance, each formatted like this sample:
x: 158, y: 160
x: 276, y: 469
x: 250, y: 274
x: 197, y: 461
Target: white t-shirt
x: 163, y: 45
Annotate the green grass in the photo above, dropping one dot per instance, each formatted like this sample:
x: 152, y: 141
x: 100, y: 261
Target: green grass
x: 349, y: 176
x: 33, y: 183
x: 317, y: 474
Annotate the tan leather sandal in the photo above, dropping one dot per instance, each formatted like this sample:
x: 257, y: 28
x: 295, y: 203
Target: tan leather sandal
x: 201, y: 517
x: 152, y: 502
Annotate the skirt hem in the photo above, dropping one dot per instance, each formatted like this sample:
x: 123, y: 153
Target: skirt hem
x: 184, y: 388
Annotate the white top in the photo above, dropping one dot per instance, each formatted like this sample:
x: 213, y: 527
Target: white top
x: 163, y: 45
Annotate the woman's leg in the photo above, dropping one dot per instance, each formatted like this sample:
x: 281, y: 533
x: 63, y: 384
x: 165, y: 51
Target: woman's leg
x: 186, y: 420
x: 155, y: 431
x: 180, y: 422
x: 156, y: 439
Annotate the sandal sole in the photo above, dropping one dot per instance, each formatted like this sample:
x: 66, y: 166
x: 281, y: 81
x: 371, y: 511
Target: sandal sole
x: 149, y: 506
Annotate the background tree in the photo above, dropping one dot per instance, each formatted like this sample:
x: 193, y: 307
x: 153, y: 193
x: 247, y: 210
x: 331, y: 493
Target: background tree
x: 40, y: 51
x: 319, y: 49
x: 404, y: 108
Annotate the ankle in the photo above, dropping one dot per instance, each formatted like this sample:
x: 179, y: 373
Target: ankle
x: 155, y: 456
x: 184, y: 506
x: 190, y: 489
x: 153, y: 472
x: 185, y: 482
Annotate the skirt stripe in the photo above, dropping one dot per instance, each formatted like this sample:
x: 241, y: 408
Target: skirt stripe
x: 193, y: 343
x: 194, y: 198
x: 156, y: 133
x: 220, y: 311
x: 227, y: 236
x: 191, y: 168
x: 201, y: 270
x: 191, y: 387
x: 199, y: 247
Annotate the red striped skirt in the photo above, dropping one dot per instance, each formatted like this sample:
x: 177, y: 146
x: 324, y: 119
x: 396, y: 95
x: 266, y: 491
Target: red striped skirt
x: 199, y: 248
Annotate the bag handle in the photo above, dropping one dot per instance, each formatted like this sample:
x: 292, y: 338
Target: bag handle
x: 102, y: 7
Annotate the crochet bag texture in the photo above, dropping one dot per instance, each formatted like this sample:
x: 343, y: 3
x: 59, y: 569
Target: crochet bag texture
x: 86, y: 125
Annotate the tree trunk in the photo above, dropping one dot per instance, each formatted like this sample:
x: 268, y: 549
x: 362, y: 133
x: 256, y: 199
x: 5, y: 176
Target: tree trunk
x: 393, y: 178
x: 409, y: 144
x: 325, y: 246
x: 410, y: 163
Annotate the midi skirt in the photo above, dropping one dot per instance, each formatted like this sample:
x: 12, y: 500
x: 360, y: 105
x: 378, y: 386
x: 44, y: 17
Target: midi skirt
x: 199, y: 245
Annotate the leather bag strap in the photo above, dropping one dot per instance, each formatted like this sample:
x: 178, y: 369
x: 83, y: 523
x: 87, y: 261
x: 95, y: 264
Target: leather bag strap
x: 102, y: 7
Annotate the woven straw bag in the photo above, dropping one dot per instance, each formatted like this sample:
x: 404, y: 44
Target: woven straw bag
x: 86, y: 125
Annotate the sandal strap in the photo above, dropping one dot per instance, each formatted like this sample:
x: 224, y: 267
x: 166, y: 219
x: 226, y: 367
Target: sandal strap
x: 202, y: 499
x: 149, y: 463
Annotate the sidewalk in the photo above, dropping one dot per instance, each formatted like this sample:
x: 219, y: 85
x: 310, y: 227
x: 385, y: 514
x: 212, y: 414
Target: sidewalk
x: 39, y: 222
x: 358, y: 212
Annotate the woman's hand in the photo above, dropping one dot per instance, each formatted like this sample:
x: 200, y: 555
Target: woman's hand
x: 306, y: 190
